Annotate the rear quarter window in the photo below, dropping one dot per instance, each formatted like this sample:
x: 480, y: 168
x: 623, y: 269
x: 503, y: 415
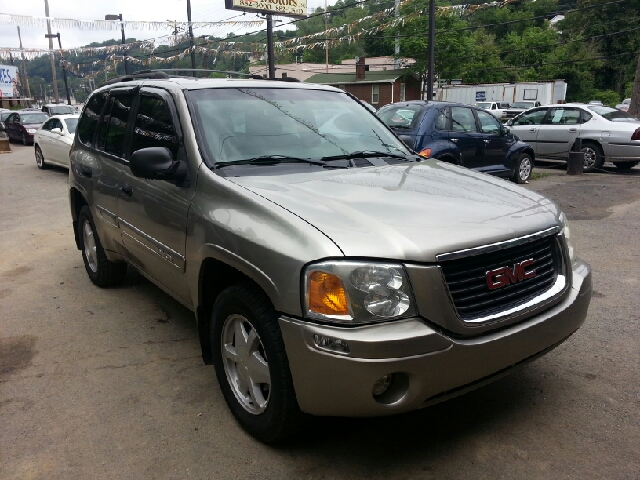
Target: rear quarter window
x: 88, y: 123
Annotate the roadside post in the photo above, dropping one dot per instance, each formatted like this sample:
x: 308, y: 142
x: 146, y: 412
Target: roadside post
x: 575, y: 164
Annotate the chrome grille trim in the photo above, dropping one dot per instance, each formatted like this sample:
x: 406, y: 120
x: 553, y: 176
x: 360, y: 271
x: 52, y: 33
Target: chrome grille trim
x: 492, y: 247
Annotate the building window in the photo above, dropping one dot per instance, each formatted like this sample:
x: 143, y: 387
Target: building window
x: 403, y: 92
x: 375, y: 94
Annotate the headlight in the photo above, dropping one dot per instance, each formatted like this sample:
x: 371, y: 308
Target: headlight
x: 357, y: 292
x: 31, y: 130
x: 566, y: 232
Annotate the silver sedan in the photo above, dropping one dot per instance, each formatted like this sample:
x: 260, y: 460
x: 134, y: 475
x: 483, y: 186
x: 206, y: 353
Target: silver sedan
x: 54, y: 139
x: 605, y: 133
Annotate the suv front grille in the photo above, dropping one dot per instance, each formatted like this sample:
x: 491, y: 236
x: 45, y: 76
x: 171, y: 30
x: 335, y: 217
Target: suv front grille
x: 466, y: 278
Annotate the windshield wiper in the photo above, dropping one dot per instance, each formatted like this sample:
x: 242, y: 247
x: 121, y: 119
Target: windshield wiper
x: 274, y: 160
x: 363, y: 154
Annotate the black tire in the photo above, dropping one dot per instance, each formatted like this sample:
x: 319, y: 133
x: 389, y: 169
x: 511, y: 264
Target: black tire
x: 40, y: 159
x: 101, y: 271
x: 625, y: 165
x: 593, y: 157
x: 281, y: 417
x: 24, y: 140
x: 523, y: 169
x: 448, y: 159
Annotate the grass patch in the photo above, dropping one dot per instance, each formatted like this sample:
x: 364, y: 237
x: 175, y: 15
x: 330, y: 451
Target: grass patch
x: 538, y: 176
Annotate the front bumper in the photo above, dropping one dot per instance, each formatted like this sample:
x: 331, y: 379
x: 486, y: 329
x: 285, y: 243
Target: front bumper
x: 430, y: 365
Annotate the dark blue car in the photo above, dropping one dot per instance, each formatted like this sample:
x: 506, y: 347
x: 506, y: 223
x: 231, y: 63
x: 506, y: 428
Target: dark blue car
x: 460, y: 134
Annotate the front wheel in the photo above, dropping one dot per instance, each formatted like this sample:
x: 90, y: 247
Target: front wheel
x: 251, y: 364
x: 523, y: 169
x: 100, y: 269
x: 625, y: 165
x: 593, y: 157
x: 40, y: 159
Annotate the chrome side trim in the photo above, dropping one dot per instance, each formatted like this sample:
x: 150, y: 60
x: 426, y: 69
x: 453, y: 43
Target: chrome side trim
x: 164, y: 252
x: 493, y: 247
x: 107, y: 216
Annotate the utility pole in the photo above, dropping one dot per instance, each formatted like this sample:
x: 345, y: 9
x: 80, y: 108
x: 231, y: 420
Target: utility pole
x: 396, y: 50
x: 24, y: 66
x: 326, y: 39
x: 271, y: 60
x: 124, y: 50
x: 53, y: 62
x: 191, y: 42
x: 432, y: 48
x: 634, y: 108
x: 64, y: 67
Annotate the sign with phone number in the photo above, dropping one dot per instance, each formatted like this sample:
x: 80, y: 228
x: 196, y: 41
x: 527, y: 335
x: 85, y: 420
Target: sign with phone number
x: 287, y: 8
x: 8, y: 81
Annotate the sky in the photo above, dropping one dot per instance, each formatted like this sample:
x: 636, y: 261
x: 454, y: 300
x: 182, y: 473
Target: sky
x: 141, y: 10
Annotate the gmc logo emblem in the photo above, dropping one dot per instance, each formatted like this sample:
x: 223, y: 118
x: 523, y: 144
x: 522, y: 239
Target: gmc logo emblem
x: 503, y: 276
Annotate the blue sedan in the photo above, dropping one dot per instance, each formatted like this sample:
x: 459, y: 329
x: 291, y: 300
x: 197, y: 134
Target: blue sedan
x: 460, y: 134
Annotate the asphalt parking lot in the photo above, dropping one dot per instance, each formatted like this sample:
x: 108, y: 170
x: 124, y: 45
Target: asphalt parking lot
x: 110, y: 384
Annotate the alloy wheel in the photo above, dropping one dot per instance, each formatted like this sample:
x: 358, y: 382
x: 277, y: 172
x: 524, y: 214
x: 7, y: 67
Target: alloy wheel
x: 39, y: 157
x: 525, y: 168
x: 245, y: 364
x: 90, y: 250
x: 590, y: 157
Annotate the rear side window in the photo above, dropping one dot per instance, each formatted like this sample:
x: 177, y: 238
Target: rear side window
x: 118, y: 116
x: 90, y: 118
x: 154, y: 126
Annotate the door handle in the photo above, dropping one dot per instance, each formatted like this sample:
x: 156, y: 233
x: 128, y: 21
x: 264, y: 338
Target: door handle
x: 86, y: 171
x: 573, y: 130
x: 126, y: 190
x: 533, y: 129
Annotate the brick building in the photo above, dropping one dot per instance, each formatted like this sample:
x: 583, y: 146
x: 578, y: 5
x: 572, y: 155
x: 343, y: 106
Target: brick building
x: 378, y: 88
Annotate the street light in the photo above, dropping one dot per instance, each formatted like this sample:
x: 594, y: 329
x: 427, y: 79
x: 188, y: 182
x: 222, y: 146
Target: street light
x: 124, y: 52
x: 64, y: 66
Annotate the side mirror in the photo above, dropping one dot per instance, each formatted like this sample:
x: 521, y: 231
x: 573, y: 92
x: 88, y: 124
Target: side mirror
x: 57, y: 130
x: 504, y: 130
x: 157, y: 163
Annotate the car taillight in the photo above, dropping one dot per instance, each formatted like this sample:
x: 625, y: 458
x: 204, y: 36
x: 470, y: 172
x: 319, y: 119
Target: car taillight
x: 636, y: 135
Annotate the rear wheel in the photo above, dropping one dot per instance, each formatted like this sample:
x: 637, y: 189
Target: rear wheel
x: 100, y: 269
x: 40, y: 159
x: 593, y: 157
x: 625, y: 165
x: 251, y: 364
x: 524, y: 167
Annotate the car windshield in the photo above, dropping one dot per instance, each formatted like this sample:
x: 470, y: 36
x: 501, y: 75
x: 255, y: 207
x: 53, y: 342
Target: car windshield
x: 62, y: 110
x: 485, y: 105
x: 33, y: 118
x: 235, y: 124
x: 612, y: 114
x: 72, y: 123
x: 405, y: 117
x: 525, y: 105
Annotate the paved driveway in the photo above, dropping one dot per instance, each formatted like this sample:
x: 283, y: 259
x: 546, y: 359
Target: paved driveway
x: 109, y: 383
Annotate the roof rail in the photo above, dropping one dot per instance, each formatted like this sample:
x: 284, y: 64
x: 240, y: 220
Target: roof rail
x: 158, y: 74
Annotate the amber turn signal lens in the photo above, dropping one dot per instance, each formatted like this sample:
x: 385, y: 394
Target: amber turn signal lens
x: 326, y: 294
x: 425, y: 153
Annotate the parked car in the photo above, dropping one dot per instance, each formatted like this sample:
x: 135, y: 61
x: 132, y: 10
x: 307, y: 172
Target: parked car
x: 517, y: 108
x: 595, y: 102
x: 460, y: 134
x: 4, y: 114
x: 23, y: 124
x: 624, y: 106
x: 497, y: 109
x: 54, y: 139
x: 58, y: 109
x: 331, y: 270
x: 605, y: 133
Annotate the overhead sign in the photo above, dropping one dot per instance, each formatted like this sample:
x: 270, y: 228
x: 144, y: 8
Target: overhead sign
x: 481, y: 96
x: 287, y: 8
x: 9, y: 81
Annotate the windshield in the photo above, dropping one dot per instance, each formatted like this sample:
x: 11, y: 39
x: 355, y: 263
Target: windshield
x: 485, y: 105
x: 525, y: 105
x: 236, y: 124
x: 72, y: 123
x: 62, y: 110
x: 406, y: 117
x: 33, y: 118
x: 612, y: 114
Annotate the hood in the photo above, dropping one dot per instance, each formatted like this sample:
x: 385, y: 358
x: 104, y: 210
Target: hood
x: 408, y: 212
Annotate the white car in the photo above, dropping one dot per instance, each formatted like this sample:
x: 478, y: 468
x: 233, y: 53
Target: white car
x: 624, y: 106
x: 53, y: 140
x: 497, y: 109
x: 605, y: 133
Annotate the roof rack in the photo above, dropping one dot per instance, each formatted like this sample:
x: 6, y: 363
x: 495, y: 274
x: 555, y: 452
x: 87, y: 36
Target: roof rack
x: 159, y: 74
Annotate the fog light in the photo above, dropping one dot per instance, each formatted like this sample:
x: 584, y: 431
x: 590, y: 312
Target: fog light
x: 333, y: 344
x: 382, y: 385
